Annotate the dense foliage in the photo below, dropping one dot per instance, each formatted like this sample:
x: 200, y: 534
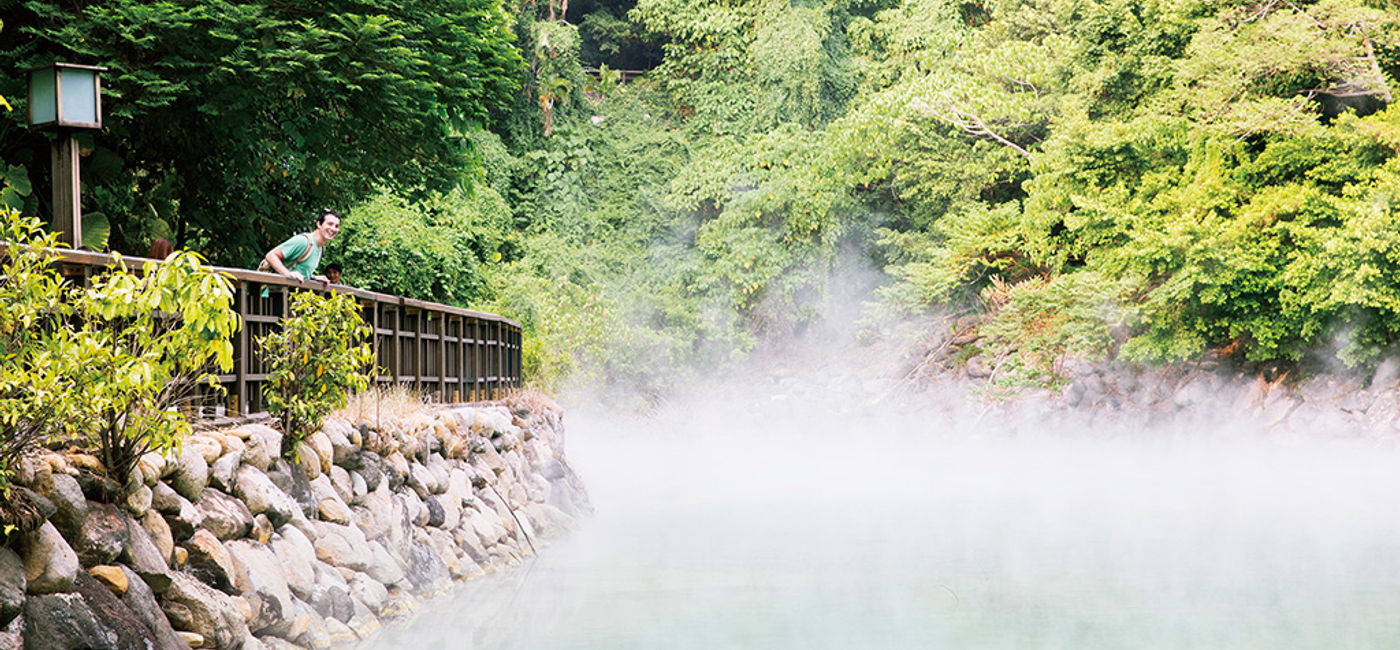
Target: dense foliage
x: 228, y: 125
x: 1090, y: 177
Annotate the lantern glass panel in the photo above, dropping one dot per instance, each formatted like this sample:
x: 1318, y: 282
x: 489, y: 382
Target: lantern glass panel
x: 79, y: 96
x: 43, y: 100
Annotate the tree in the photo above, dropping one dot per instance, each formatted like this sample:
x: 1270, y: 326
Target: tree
x: 229, y: 124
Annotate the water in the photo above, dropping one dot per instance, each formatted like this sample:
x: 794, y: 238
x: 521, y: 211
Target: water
x: 720, y: 527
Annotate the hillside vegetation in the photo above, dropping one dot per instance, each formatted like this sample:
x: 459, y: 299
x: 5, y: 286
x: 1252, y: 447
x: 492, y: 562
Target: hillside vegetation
x: 1147, y: 179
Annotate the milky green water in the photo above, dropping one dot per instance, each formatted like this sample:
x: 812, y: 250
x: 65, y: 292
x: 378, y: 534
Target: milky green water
x: 899, y: 536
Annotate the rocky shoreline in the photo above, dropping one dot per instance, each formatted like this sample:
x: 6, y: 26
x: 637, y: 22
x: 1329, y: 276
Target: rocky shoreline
x: 226, y: 545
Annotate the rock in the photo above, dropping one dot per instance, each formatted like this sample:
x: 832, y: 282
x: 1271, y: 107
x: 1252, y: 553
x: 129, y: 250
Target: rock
x: 151, y: 465
x: 165, y: 500
x: 221, y: 472
x: 142, y: 602
x: 339, y: 633
x: 191, y: 475
x: 12, y: 586
x: 342, y: 483
x: 114, y: 616
x: 201, y: 609
x: 260, y: 580
x: 209, y: 560
x: 69, y: 502
x: 369, y: 591
x: 334, y: 510
x: 224, y: 516
x: 294, y: 623
x: 185, y: 520
x: 207, y: 447
x: 262, y: 529
x: 342, y: 546
x: 11, y: 641
x: 262, y: 496
x: 436, y: 515
x: 50, y: 565
x: 297, y: 557
x: 396, y: 469
x: 383, y: 566
x: 111, y: 577
x: 102, y: 535
x: 307, y: 464
x: 64, y: 622
x: 316, y: 637
x: 294, y: 484
x: 160, y: 535
x: 181, y: 556
x: 139, y: 501
x: 321, y: 444
x: 399, y: 606
x: 372, y: 470
x: 194, y: 639
x: 426, y: 570
x: 262, y: 449
x: 421, y: 480
x: 342, y: 450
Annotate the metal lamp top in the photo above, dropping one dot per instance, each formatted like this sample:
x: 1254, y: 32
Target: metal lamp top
x: 65, y: 96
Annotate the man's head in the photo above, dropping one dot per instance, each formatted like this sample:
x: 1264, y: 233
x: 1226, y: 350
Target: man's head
x: 333, y: 273
x: 327, y: 225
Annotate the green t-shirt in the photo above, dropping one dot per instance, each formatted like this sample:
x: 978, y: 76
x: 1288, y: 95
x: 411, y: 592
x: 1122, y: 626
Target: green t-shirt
x: 296, y: 247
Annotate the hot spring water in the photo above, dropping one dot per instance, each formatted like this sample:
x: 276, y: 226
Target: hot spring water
x: 717, y: 529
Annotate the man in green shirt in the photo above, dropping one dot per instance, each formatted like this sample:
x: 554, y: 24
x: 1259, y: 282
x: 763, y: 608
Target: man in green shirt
x: 297, y: 258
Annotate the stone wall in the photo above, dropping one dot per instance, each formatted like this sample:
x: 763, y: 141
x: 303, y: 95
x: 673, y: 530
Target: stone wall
x: 226, y: 545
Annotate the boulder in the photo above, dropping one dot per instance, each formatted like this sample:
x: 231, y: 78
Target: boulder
x: 437, y: 516
x: 221, y: 472
x: 142, y: 602
x: 372, y: 469
x: 12, y: 586
x: 342, y: 483
x: 196, y: 607
x: 159, y: 531
x: 70, y: 506
x: 263, y: 446
x: 324, y: 449
x: 64, y: 622
x: 260, y: 580
x: 204, y: 444
x: 102, y: 536
x: 111, y: 577
x: 297, y: 557
x: 295, y: 484
x: 383, y: 566
x: 426, y: 569
x: 50, y: 565
x: 186, y: 517
x: 342, y: 546
x: 139, y: 500
x: 209, y: 560
x: 114, y: 616
x: 191, y: 474
x: 224, y: 516
x: 369, y: 591
x: 262, y: 496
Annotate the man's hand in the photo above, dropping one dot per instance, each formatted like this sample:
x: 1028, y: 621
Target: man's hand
x: 294, y: 275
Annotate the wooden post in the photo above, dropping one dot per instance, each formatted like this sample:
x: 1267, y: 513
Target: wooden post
x: 67, y: 202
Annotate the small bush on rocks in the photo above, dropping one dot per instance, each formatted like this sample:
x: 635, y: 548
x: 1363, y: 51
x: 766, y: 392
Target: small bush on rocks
x: 314, y: 363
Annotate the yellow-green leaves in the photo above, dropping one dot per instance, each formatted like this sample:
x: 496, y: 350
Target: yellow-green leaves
x: 314, y: 362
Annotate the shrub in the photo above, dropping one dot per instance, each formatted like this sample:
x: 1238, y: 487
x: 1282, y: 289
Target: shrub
x: 144, y: 344
x: 33, y: 385
x: 314, y: 362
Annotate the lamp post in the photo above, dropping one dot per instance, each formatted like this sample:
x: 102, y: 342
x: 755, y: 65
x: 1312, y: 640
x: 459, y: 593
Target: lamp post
x: 66, y: 98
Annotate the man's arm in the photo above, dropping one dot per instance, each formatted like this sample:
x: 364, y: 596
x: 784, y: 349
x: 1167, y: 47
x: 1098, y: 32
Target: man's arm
x: 274, y: 259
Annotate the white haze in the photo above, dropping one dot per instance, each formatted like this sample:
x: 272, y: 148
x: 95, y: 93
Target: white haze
x: 806, y: 505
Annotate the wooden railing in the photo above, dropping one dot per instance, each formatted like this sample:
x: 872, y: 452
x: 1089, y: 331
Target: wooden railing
x: 446, y: 353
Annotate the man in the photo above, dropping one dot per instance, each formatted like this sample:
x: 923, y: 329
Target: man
x: 304, y: 250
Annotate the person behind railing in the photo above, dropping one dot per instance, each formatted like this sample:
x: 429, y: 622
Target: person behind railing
x: 161, y: 249
x: 303, y: 251
x: 333, y: 273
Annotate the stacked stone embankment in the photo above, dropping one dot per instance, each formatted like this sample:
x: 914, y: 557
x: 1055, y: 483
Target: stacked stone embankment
x: 226, y: 545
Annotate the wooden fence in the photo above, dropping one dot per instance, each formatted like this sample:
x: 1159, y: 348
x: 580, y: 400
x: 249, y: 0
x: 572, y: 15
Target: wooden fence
x: 446, y: 353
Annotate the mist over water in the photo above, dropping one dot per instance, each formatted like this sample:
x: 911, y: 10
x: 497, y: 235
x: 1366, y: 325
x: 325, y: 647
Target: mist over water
x: 767, y: 518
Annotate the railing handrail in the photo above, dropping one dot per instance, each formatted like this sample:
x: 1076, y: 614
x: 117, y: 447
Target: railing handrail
x: 454, y: 353
x: 91, y: 258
